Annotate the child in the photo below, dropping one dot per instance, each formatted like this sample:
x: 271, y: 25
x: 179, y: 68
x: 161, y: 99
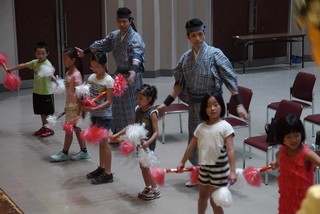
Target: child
x: 101, y: 115
x: 214, y: 139
x: 43, y: 99
x: 146, y: 113
x: 295, y: 161
x: 73, y: 78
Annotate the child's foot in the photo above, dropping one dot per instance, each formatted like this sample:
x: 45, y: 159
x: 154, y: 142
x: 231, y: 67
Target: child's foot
x: 144, y: 192
x: 60, y: 156
x: 47, y: 132
x: 80, y: 155
x: 103, y: 178
x: 154, y: 193
x: 96, y: 173
x: 40, y: 131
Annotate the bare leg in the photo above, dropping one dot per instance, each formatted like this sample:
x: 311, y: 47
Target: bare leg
x: 67, y: 141
x: 105, y: 156
x: 44, y: 119
x: 81, y: 142
x: 216, y: 209
x: 147, y: 177
x: 204, y: 195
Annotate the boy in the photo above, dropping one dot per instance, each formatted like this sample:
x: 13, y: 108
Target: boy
x: 43, y: 100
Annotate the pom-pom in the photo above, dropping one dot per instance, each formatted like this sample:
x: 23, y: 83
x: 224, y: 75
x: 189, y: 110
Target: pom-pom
x: 87, y: 102
x: 126, y: 147
x: 120, y: 85
x: 94, y: 134
x: 241, y: 182
x: 11, y: 81
x: 135, y: 133
x: 52, y: 121
x: 46, y: 71
x: 194, y: 173
x: 252, y: 176
x: 84, y: 121
x: 3, y: 60
x: 158, y: 175
x: 68, y: 127
x: 147, y: 158
x: 58, y: 86
x: 222, y: 197
x: 83, y: 90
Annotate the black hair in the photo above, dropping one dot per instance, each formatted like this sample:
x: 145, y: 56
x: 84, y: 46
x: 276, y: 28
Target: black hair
x: 203, y: 113
x: 148, y: 91
x: 73, y: 54
x: 289, y: 124
x: 100, y: 57
x: 193, y: 23
x: 41, y: 45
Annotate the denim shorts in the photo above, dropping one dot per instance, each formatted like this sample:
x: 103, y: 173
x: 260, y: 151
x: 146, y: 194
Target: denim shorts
x: 101, y: 122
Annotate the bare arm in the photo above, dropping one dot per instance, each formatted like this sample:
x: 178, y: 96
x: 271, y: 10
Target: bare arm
x: 174, y: 93
x: 17, y: 67
x: 154, y: 121
x: 313, y: 157
x: 231, y: 158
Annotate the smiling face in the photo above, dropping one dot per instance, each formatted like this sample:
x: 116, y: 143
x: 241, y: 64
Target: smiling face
x: 196, y: 38
x: 97, y: 68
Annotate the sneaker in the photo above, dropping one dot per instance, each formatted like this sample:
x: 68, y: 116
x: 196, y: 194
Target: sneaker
x: 144, y: 192
x: 154, y: 193
x: 80, y: 155
x: 96, y: 173
x: 103, y: 178
x: 40, y: 131
x: 60, y: 156
x: 47, y: 132
x: 189, y: 184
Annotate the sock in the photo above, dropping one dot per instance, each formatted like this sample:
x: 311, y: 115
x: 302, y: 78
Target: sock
x: 84, y: 150
x: 65, y: 151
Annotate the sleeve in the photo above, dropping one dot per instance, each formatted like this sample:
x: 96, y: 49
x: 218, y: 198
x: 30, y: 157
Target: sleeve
x: 228, y: 130
x: 197, y: 131
x: 104, y: 44
x: 31, y: 64
x: 178, y: 72
x: 78, y: 79
x: 225, y: 69
x: 137, y: 48
x: 110, y: 82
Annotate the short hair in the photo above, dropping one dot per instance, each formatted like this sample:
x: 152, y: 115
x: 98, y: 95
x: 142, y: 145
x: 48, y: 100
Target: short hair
x: 194, y: 23
x: 124, y: 13
x: 41, y: 45
x: 203, y: 113
x: 100, y: 57
x: 288, y: 124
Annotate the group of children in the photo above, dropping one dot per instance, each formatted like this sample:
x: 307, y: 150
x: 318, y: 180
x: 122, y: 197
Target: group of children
x: 213, y: 137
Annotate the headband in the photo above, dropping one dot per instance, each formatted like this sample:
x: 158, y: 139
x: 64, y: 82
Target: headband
x: 124, y: 16
x: 196, y: 28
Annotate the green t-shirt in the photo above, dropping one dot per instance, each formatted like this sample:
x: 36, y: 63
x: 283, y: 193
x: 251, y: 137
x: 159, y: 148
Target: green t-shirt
x: 41, y: 85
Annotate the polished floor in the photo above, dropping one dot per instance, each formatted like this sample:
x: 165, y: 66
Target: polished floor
x: 41, y: 187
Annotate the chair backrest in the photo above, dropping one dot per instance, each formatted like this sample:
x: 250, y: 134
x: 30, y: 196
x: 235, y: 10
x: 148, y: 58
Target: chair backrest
x: 303, y: 85
x: 288, y: 107
x: 246, y: 96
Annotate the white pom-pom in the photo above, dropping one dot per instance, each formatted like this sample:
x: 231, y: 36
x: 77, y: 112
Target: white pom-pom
x: 58, y: 86
x: 83, y: 90
x: 222, y: 197
x: 46, y: 71
x: 241, y: 182
x: 85, y: 122
x: 147, y: 158
x: 135, y: 133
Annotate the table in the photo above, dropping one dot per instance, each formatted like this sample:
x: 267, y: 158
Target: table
x: 246, y: 40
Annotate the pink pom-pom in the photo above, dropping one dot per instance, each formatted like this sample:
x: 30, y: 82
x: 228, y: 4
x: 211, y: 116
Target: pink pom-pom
x: 94, y: 134
x: 11, y: 81
x: 88, y: 103
x: 3, y: 59
x: 126, y: 147
x: 158, y: 175
x: 252, y: 176
x: 194, y: 173
x: 120, y: 85
x: 68, y: 127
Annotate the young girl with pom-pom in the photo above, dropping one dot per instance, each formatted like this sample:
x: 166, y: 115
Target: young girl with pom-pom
x: 214, y: 140
x: 73, y: 78
x: 295, y: 161
x: 101, y: 115
x: 146, y: 113
x: 43, y: 98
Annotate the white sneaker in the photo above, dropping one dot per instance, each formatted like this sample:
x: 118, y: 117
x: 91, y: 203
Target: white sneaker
x: 189, y: 184
x: 80, y: 155
x: 60, y: 156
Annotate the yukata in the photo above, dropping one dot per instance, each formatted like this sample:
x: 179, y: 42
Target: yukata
x: 124, y: 50
x: 200, y: 75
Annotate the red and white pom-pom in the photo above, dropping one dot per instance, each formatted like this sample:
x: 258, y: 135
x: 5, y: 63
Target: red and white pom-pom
x: 68, y: 127
x: 94, y: 134
x: 58, y: 86
x: 194, y: 173
x: 135, y: 133
x: 252, y: 176
x: 46, y: 71
x: 88, y: 102
x: 3, y: 60
x: 126, y: 147
x: 120, y: 85
x: 222, y: 197
x: 147, y: 158
x: 158, y: 175
x: 11, y: 81
x: 83, y: 90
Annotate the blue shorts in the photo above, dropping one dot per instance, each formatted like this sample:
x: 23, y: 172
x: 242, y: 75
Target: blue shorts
x: 101, y: 122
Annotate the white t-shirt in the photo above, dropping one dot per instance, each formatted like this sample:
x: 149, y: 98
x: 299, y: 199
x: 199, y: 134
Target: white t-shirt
x: 211, y: 141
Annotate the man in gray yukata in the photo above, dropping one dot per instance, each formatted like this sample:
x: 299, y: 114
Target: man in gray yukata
x: 200, y: 70
x: 127, y: 49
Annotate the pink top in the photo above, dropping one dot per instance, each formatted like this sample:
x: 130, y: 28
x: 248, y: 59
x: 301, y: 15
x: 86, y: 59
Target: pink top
x: 72, y: 81
x: 295, y: 177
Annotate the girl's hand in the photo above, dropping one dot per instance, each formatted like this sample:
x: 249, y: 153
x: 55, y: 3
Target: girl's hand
x: 275, y: 165
x: 88, y: 109
x: 80, y: 52
x: 144, y: 144
x: 180, y: 166
x: 233, y: 177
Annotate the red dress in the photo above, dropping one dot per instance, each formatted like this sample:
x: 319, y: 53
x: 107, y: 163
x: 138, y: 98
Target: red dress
x: 295, y: 177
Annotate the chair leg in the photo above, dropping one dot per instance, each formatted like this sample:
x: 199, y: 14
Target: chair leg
x: 266, y: 175
x: 163, y: 129
x: 180, y: 120
x: 244, y: 156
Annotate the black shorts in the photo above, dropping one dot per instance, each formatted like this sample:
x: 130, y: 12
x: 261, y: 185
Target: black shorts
x: 43, y: 104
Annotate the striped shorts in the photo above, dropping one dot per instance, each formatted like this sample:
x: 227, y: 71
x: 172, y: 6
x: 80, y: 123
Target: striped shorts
x: 216, y: 175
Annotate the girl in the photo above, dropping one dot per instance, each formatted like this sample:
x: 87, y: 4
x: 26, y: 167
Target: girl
x: 214, y: 139
x: 147, y: 114
x: 101, y: 115
x: 295, y: 161
x: 73, y: 78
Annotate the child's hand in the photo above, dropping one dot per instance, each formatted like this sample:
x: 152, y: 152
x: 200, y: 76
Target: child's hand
x: 179, y: 167
x: 144, y: 144
x: 233, y: 177
x: 275, y: 165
